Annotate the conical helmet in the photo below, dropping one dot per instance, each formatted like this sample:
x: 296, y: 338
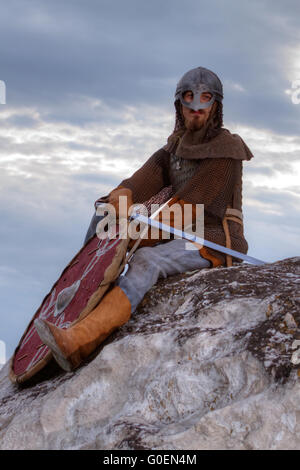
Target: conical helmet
x: 199, y: 80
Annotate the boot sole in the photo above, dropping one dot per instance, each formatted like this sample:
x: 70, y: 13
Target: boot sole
x: 47, y: 337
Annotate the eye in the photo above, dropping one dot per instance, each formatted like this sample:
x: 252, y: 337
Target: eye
x: 205, y: 97
x: 188, y: 96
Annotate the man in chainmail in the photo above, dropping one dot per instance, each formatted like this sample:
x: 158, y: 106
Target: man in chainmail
x: 200, y: 164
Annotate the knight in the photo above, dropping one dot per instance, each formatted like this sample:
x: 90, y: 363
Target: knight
x: 201, y: 163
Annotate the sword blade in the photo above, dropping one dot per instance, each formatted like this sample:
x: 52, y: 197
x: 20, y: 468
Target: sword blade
x: 194, y: 238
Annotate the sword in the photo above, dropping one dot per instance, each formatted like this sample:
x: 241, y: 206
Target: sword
x: 194, y: 238
x: 136, y: 215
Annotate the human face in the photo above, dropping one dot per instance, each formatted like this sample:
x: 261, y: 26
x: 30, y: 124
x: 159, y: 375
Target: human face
x: 196, y: 119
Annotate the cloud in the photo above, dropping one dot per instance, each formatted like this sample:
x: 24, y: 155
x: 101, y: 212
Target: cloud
x: 52, y: 54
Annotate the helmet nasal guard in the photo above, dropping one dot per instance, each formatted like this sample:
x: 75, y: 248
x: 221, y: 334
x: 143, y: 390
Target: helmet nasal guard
x: 199, y: 80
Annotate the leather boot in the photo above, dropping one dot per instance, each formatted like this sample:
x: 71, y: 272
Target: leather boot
x: 72, y: 345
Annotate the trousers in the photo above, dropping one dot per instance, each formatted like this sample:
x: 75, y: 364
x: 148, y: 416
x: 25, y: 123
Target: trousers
x: 148, y: 264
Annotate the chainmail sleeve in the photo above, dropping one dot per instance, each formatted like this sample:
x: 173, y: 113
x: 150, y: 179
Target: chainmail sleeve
x: 150, y: 178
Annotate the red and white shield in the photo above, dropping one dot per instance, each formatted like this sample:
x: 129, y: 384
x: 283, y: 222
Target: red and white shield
x: 78, y: 290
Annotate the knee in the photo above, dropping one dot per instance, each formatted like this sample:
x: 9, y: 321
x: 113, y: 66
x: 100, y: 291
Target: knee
x: 145, y: 258
x: 143, y: 253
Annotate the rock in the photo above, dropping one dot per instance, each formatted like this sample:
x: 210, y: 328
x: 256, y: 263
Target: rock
x: 296, y: 354
x: 296, y: 357
x: 204, y: 363
x: 290, y: 321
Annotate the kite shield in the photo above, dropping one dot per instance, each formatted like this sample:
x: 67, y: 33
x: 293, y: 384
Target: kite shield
x: 75, y: 294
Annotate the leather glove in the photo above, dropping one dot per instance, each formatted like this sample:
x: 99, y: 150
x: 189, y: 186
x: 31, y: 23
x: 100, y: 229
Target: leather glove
x: 114, y: 200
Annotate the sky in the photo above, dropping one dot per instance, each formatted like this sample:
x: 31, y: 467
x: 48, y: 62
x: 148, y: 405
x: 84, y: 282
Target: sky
x: 89, y: 98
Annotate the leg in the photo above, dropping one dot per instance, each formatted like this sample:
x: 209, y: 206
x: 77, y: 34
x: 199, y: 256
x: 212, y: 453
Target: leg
x: 148, y: 264
x: 71, y: 346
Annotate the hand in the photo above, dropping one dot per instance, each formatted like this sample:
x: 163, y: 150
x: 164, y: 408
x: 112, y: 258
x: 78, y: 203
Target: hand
x: 123, y: 209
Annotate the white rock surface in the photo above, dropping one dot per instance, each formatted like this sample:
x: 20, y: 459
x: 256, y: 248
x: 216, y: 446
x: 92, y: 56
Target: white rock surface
x: 204, y: 363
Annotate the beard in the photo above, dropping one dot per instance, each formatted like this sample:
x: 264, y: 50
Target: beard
x: 195, y: 122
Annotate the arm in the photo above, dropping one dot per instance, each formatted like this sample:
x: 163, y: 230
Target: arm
x: 143, y: 184
x: 150, y: 178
